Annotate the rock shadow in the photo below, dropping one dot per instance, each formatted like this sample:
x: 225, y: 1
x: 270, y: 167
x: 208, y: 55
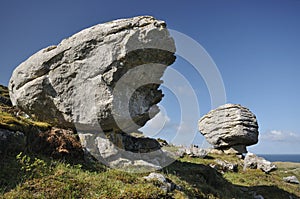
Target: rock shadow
x: 210, y: 182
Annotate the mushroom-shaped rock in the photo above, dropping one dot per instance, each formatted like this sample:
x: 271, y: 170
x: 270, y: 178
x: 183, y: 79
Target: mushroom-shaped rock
x: 230, y: 128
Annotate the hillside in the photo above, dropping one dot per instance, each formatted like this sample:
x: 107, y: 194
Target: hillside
x: 56, y: 169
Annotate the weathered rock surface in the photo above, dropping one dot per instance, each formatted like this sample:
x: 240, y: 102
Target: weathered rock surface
x: 191, y: 151
x: 224, y: 166
x: 230, y: 128
x: 82, y: 81
x: 254, y: 162
x: 291, y: 179
x: 124, y: 152
x: 103, y: 81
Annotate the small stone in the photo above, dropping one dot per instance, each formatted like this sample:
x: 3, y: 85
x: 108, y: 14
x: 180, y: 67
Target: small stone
x: 216, y: 151
x: 156, y: 176
x: 291, y: 179
x: 167, y: 185
x: 192, y: 151
x: 254, y: 162
x: 226, y: 166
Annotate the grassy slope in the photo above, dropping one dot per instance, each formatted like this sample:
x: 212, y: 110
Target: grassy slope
x: 45, y: 178
x: 37, y: 176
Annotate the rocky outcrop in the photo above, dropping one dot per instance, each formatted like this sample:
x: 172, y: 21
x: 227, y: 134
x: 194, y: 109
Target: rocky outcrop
x: 108, y: 74
x: 254, y: 162
x: 102, y: 81
x: 230, y: 128
x: 191, y: 151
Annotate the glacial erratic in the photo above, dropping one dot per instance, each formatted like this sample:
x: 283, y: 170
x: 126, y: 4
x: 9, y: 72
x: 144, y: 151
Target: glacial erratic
x: 230, y: 128
x: 104, y: 83
x: 81, y: 80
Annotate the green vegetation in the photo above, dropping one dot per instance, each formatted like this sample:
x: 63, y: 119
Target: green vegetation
x: 9, y: 120
x: 14, y: 123
x: 33, y: 175
x: 28, y: 176
x: 249, y: 181
x: 38, y: 178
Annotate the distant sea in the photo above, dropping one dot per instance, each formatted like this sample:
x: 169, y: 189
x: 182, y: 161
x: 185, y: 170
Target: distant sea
x: 281, y: 157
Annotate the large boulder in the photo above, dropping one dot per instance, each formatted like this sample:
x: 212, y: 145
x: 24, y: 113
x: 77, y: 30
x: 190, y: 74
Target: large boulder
x: 102, y: 81
x: 230, y: 128
x: 81, y: 80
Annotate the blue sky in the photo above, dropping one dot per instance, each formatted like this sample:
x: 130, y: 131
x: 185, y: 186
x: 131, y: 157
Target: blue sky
x: 255, y: 45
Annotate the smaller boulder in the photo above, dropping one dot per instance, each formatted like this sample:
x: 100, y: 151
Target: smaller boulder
x: 230, y: 128
x: 291, y: 179
x: 192, y: 151
x: 254, y: 162
x: 265, y: 165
